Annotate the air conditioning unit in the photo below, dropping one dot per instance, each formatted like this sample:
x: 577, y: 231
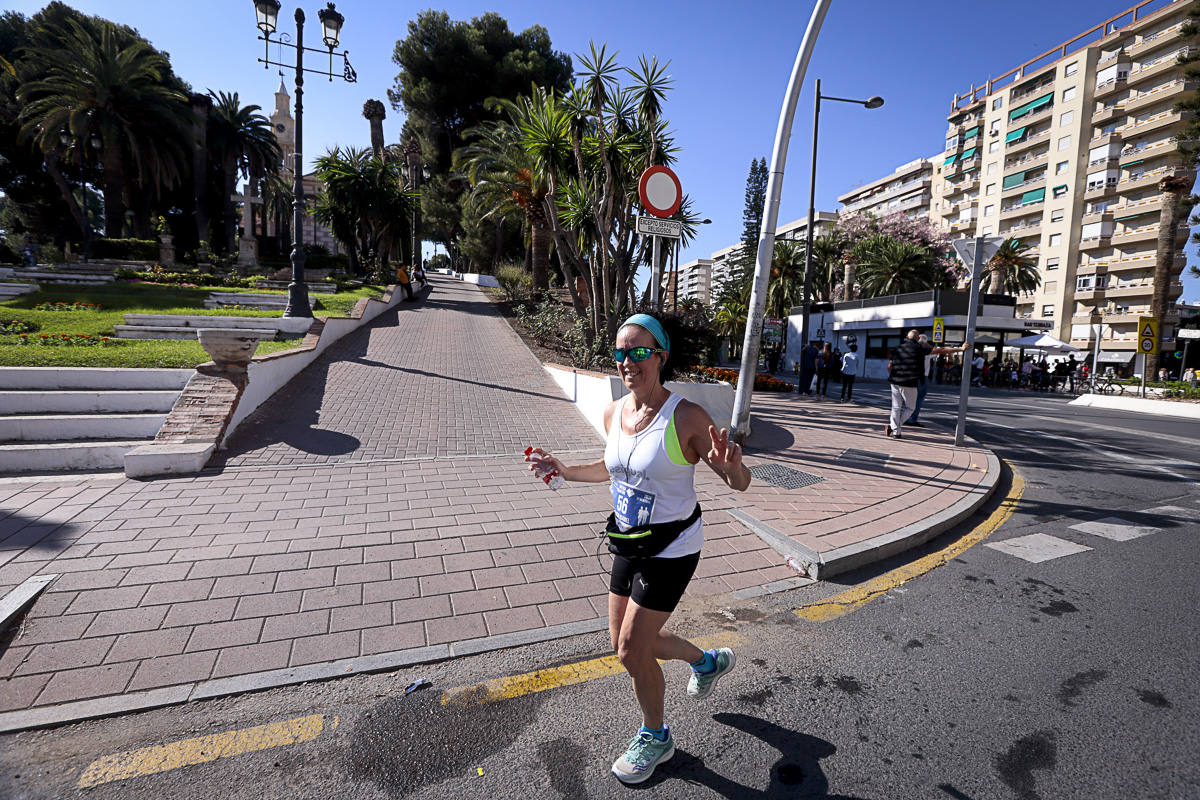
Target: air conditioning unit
x: 994, y: 132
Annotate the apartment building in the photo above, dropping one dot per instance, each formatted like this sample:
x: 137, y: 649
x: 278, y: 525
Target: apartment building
x: 700, y: 277
x: 906, y: 191
x: 1065, y: 153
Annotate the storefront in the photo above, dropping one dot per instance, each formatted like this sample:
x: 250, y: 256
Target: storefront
x: 878, y: 324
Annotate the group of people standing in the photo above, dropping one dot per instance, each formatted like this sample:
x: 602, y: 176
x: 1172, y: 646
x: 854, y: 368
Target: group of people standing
x: 823, y: 363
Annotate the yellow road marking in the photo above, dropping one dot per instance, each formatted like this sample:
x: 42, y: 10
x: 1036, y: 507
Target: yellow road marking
x: 845, y: 602
x: 567, y: 675
x: 201, y: 750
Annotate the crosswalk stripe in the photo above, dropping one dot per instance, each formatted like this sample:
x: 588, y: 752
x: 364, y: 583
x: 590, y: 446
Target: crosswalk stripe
x: 1115, y: 528
x: 1037, y: 547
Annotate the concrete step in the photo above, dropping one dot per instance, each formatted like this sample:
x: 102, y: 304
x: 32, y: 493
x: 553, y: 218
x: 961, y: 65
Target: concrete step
x: 295, y: 325
x: 94, y: 378
x: 313, y: 286
x: 87, y: 279
x: 69, y: 427
x: 8, y: 290
x: 43, y: 457
x: 86, y: 402
x: 180, y: 332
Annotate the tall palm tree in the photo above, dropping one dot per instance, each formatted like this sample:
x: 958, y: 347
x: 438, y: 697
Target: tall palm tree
x: 363, y: 203
x: 890, y: 266
x: 730, y: 321
x: 1173, y: 188
x: 504, y: 180
x: 242, y: 143
x: 93, y: 82
x: 1012, y: 269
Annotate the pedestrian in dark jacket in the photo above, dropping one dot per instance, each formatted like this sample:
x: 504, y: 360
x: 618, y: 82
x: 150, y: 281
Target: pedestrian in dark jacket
x: 808, y: 368
x: 825, y: 368
x: 908, y: 360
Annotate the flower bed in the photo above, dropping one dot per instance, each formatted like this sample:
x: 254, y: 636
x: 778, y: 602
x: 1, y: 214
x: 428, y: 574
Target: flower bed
x: 76, y: 306
x: 762, y: 381
x: 14, y: 326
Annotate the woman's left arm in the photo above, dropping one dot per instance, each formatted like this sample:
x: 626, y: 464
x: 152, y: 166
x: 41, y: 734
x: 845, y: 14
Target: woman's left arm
x: 714, y: 448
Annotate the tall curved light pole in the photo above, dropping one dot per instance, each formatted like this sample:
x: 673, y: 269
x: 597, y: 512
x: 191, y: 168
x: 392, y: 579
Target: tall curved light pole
x: 874, y: 102
x: 740, y: 421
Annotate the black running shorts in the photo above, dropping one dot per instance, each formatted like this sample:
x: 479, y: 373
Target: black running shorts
x: 654, y: 583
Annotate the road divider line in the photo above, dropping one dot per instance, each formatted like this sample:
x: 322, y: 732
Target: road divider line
x: 202, y: 749
x: 842, y: 603
x: 542, y: 680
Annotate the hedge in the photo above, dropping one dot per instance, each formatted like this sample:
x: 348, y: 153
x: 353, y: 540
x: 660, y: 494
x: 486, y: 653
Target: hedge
x: 125, y: 249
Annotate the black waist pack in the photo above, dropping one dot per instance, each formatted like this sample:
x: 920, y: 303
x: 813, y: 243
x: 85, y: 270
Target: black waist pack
x: 645, y: 541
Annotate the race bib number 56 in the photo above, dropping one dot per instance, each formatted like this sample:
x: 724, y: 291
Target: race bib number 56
x: 632, y: 507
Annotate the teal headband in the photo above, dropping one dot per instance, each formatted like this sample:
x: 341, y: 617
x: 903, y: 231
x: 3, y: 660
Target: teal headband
x: 654, y: 326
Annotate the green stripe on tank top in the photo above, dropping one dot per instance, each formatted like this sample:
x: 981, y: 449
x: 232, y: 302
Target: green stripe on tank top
x: 671, y: 440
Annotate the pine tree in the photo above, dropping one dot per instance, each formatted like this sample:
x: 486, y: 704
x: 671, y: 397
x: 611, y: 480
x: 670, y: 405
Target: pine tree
x: 743, y: 261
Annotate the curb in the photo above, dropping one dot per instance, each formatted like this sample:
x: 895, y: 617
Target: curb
x: 843, y: 559
x: 66, y: 713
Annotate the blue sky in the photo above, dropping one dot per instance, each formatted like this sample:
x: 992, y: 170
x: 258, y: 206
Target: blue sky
x: 730, y: 63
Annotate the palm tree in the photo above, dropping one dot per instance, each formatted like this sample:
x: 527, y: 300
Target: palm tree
x: 730, y: 321
x: 1173, y: 188
x: 787, y: 278
x: 827, y: 265
x: 93, y: 82
x: 1012, y: 269
x: 363, y: 203
x: 504, y: 180
x: 890, y: 266
x: 242, y: 143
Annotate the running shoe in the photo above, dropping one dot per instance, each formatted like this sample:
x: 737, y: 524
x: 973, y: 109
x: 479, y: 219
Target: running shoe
x: 701, y: 683
x: 644, y: 754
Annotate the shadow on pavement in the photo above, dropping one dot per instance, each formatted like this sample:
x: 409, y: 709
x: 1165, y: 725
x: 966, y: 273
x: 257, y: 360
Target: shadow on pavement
x: 796, y: 773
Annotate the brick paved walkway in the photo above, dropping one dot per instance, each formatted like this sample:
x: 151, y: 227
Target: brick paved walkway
x: 428, y: 531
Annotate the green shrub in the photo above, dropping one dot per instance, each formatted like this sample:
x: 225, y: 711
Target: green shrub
x: 545, y: 321
x: 125, y: 249
x: 514, y: 281
x: 192, y: 278
x: 17, y: 326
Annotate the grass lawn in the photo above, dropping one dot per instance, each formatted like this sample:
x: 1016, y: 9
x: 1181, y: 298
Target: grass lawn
x: 116, y: 300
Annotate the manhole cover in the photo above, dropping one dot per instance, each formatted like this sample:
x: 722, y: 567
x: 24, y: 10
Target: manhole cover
x: 867, y: 456
x: 784, y: 477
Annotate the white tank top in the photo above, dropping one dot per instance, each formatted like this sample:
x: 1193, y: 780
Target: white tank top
x: 651, y: 480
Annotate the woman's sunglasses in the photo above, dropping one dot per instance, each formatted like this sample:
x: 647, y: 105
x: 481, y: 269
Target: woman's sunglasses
x: 636, y: 353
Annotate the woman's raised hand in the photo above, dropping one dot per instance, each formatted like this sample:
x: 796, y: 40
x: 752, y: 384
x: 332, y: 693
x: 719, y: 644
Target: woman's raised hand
x: 724, y: 455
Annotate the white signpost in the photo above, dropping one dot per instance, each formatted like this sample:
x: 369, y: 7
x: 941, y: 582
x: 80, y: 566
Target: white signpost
x: 974, y: 253
x: 661, y: 195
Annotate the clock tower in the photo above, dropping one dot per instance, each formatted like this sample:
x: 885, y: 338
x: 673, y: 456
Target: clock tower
x: 284, y: 126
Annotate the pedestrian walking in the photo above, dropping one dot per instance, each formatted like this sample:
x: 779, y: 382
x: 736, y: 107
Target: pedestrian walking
x: 904, y: 376
x: 922, y: 385
x: 825, y: 368
x: 849, y: 371
x: 655, y: 440
x: 29, y: 252
x: 808, y: 368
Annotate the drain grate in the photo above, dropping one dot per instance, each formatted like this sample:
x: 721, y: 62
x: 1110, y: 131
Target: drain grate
x: 868, y: 457
x: 784, y: 477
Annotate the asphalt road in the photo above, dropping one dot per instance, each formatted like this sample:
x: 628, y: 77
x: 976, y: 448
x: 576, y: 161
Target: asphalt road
x: 989, y: 677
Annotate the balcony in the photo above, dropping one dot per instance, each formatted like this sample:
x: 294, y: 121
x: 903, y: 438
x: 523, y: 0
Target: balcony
x: 1160, y: 121
x: 1108, y: 114
x: 1157, y: 39
x: 1031, y: 160
x: 1146, y: 233
x: 1156, y: 68
x: 1149, y: 204
x: 962, y: 225
x: 1105, y: 215
x: 1111, y: 162
x: 1031, y: 117
x: 1094, y: 191
x: 1023, y: 187
x: 1162, y: 147
x: 1167, y: 91
x: 1103, y: 139
x: 1014, y: 211
x: 1028, y: 93
x: 1021, y: 145
x: 1095, y: 242
x: 1131, y: 289
x: 1109, y: 87
x: 1147, y: 178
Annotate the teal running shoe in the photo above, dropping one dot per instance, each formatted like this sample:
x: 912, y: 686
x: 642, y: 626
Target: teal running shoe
x: 701, y: 684
x: 644, y: 754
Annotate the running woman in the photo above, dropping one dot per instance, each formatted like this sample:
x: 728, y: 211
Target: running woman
x: 655, y: 440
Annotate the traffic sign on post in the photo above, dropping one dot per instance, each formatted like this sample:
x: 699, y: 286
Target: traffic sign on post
x: 1147, y: 334
x: 939, y: 330
x: 653, y: 226
x: 660, y: 191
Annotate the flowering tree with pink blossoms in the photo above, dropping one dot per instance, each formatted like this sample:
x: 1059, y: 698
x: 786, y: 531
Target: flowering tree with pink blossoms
x: 854, y: 232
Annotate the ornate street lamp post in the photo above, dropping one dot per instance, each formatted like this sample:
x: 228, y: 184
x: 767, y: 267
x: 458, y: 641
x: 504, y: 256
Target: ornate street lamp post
x: 412, y: 154
x: 267, y: 13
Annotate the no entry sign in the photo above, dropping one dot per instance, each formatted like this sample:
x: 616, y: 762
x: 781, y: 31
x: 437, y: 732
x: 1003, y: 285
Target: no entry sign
x: 660, y: 191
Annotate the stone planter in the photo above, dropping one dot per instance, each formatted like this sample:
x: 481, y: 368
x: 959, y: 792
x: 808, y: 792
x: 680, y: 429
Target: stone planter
x: 166, y: 250
x: 228, y: 348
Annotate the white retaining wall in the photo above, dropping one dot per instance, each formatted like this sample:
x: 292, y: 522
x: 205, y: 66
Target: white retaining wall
x: 591, y: 392
x: 93, y: 378
x: 269, y: 375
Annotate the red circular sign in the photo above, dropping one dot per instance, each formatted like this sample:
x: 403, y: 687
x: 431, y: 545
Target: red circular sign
x: 660, y: 191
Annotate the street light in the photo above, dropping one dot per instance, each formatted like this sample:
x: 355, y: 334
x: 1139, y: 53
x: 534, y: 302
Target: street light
x: 66, y: 139
x: 267, y: 13
x: 412, y: 154
x: 874, y: 102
